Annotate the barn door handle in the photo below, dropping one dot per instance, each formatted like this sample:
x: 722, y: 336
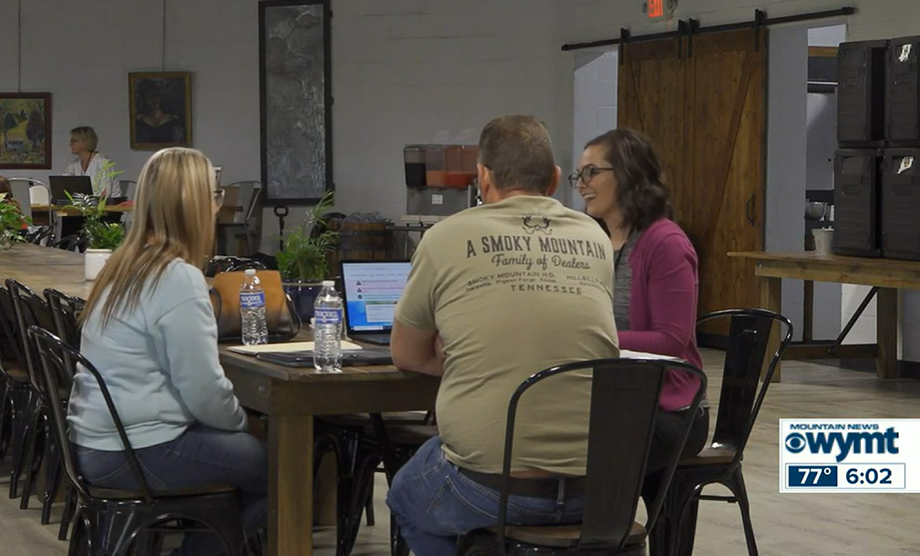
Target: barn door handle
x: 749, y: 210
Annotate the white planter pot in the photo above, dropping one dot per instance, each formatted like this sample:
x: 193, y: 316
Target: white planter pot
x: 94, y: 261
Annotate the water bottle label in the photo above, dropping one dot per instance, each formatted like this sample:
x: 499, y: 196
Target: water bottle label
x: 252, y: 300
x: 328, y: 316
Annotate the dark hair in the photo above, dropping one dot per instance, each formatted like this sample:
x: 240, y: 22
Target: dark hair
x: 642, y: 194
x: 518, y: 152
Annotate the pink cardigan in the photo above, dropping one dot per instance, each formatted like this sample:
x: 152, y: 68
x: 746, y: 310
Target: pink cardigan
x: 662, y: 305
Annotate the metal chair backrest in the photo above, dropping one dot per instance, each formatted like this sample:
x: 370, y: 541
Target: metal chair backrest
x: 247, y: 196
x: 19, y: 190
x: 742, y: 391
x: 128, y: 190
x: 30, y: 310
x: 623, y: 408
x: 40, y: 194
x: 55, y: 373
x: 71, y: 243
x: 11, y: 344
x: 66, y: 311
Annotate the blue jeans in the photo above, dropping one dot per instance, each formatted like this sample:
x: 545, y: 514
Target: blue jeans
x: 433, y: 503
x: 201, y: 455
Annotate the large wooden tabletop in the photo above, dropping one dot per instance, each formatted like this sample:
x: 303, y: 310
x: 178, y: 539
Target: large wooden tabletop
x: 887, y: 275
x: 291, y: 397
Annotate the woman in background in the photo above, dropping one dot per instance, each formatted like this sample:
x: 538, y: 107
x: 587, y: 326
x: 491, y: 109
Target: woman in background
x: 656, y: 284
x: 89, y: 162
x: 149, y: 327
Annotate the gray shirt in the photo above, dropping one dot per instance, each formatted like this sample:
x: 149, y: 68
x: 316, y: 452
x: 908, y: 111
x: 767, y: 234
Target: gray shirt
x: 623, y: 282
x: 160, y: 363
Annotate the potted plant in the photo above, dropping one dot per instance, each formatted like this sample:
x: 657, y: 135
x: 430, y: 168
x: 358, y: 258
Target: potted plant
x: 302, y: 258
x: 12, y: 222
x: 102, y: 237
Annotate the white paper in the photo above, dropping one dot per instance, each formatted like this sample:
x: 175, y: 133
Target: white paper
x: 285, y: 347
x: 627, y: 354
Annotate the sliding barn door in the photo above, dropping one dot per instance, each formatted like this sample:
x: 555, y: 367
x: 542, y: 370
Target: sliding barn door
x: 650, y: 98
x: 704, y: 106
x: 725, y: 153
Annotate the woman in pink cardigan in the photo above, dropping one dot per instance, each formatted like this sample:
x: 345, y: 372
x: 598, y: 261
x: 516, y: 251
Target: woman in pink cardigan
x: 655, y: 271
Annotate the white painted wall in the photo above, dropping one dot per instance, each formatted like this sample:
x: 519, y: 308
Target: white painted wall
x: 595, y: 106
x: 786, y: 137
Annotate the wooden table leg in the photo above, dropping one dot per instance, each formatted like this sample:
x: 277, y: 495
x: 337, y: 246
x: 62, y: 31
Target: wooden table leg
x: 771, y: 299
x: 886, y: 366
x: 290, y: 486
x: 808, y: 312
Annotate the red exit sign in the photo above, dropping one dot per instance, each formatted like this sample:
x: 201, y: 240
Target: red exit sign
x: 655, y: 9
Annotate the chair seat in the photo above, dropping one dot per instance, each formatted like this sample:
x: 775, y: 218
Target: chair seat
x: 119, y: 494
x: 563, y: 536
x: 710, y: 456
x: 16, y: 374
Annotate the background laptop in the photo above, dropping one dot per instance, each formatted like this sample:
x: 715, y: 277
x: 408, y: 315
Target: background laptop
x: 372, y: 289
x: 75, y: 185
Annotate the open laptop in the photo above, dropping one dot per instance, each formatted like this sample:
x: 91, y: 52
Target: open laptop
x: 372, y: 289
x: 75, y: 185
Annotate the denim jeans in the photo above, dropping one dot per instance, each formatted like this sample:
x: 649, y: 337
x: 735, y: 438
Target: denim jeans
x: 433, y: 503
x: 201, y: 455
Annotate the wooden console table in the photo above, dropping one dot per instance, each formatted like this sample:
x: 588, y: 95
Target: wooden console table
x: 885, y: 274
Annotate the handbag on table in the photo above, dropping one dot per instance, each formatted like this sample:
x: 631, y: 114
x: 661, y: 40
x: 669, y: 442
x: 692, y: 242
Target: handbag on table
x: 283, y: 321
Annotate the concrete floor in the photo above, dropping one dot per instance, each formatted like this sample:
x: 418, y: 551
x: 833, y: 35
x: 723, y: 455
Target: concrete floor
x: 785, y: 524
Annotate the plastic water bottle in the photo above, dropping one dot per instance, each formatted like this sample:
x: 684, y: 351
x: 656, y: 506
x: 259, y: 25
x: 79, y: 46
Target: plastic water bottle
x: 327, y: 329
x: 252, y: 310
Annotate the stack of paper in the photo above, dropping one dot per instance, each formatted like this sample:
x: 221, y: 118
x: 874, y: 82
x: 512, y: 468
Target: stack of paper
x: 285, y: 347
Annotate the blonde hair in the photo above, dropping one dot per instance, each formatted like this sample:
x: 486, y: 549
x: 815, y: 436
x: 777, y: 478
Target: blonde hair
x: 87, y: 136
x: 173, y: 218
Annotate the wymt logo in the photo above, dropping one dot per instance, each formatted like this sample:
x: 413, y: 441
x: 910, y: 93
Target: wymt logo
x: 844, y: 442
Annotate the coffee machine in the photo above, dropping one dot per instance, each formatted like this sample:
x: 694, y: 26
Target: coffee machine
x: 440, y: 180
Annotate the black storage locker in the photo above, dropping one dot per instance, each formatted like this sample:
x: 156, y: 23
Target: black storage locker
x: 856, y: 206
x: 861, y: 93
x: 900, y: 192
x: 903, y: 90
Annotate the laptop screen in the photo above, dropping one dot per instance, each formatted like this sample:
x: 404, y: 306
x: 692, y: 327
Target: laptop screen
x: 371, y: 292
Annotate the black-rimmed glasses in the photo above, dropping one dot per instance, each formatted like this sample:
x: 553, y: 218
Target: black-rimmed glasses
x: 586, y: 175
x: 219, y: 195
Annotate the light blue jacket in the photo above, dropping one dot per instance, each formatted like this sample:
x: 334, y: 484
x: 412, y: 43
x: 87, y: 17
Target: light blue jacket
x: 160, y: 363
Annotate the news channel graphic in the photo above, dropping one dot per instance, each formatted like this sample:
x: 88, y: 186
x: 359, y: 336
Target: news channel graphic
x: 849, y: 455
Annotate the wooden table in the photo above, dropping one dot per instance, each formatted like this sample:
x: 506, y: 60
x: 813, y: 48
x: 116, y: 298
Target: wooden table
x: 885, y: 274
x: 291, y: 397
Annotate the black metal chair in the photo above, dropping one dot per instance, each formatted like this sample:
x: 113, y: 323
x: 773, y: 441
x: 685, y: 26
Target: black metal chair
x: 65, y: 311
x: 30, y: 309
x: 623, y: 408
x: 112, y: 521
x: 361, y: 443
x: 740, y: 399
x: 15, y: 389
x: 72, y: 242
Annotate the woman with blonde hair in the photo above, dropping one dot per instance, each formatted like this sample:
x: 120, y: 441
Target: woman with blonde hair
x: 149, y: 328
x: 89, y: 162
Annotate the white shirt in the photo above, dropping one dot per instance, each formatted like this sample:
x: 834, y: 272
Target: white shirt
x: 100, y: 184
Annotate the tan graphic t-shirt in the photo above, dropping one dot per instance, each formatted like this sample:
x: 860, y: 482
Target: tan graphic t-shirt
x: 514, y: 287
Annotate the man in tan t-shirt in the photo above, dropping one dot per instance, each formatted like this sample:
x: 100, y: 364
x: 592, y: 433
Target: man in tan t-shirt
x: 497, y: 293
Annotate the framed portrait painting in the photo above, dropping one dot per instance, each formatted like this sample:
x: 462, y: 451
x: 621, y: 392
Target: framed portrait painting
x: 25, y: 131
x: 161, y: 110
x: 296, y: 97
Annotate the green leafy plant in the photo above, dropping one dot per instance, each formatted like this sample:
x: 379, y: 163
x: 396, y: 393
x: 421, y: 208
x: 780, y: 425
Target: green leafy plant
x: 303, y: 256
x: 107, y: 172
x: 11, y: 221
x: 99, y: 234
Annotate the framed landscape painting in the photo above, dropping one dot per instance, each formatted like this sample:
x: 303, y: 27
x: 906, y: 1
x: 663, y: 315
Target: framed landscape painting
x: 161, y: 110
x: 25, y: 131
